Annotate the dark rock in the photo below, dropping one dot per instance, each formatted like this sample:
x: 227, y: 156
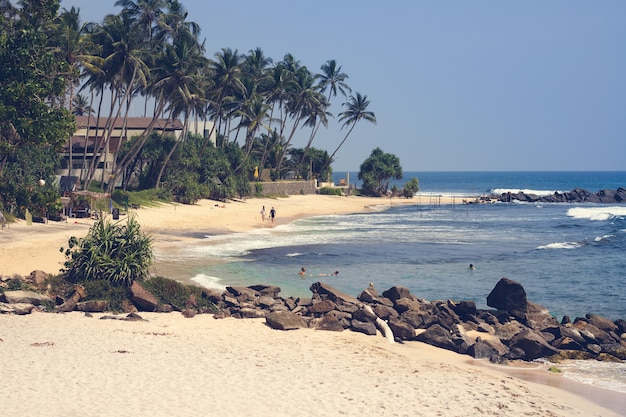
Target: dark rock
x: 401, y: 329
x: 601, y: 323
x: 325, y: 291
x: 322, y: 307
x: 363, y: 316
x: 284, y: 320
x: 385, y: 312
x: 19, y: 309
x: 405, y: 304
x: 509, y: 296
x: 567, y: 343
x: 268, y: 290
x: 531, y: 344
x: 365, y: 327
x: 142, y: 298
x: 189, y: 313
x: 329, y: 323
x: 396, y: 293
x: 438, y: 336
x: 38, y: 278
x: 463, y: 308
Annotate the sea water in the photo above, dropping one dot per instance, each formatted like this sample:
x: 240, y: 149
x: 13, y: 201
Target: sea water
x: 569, y: 258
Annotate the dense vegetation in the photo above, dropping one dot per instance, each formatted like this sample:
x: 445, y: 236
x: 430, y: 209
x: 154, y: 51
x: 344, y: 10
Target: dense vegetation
x: 53, y: 66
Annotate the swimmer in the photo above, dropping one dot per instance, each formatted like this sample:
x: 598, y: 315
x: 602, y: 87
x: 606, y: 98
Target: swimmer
x: 472, y: 267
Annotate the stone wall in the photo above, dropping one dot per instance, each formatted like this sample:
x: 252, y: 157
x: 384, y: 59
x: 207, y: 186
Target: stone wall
x: 287, y: 187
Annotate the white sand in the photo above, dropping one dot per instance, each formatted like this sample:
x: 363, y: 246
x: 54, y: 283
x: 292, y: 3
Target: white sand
x: 71, y: 365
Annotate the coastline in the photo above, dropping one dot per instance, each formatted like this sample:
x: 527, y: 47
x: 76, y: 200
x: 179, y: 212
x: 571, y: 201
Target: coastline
x: 26, y: 248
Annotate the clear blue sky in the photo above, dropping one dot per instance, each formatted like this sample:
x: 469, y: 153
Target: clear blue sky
x: 455, y: 85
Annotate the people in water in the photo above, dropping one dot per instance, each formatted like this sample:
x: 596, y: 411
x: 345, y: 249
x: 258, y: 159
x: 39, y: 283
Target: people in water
x: 302, y: 273
x: 472, y: 267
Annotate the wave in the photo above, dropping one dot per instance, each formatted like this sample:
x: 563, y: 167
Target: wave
x: 561, y: 245
x: 597, y: 213
x: 208, y: 281
x: 499, y: 191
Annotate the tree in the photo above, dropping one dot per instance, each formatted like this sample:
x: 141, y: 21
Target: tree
x: 377, y: 171
x: 357, y: 110
x: 31, y: 78
x: 411, y: 188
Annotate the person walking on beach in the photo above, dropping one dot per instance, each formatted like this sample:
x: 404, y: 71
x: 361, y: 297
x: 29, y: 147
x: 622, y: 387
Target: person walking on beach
x: 263, y: 213
x: 272, y: 214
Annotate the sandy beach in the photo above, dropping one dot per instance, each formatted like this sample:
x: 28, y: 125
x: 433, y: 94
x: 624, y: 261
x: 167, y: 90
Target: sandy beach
x: 72, y: 365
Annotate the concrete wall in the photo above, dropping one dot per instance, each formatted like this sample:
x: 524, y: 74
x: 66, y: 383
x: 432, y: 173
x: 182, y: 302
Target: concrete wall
x: 287, y: 187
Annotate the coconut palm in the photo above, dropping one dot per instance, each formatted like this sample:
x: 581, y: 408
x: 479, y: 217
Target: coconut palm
x: 356, y: 111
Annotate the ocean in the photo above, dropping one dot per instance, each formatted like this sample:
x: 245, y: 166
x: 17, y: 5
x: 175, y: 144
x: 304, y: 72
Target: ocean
x: 568, y: 257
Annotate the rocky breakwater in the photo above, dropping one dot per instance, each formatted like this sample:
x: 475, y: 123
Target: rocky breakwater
x: 516, y: 328
x: 577, y: 195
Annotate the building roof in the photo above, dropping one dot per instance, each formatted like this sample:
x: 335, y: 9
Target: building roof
x: 132, y: 123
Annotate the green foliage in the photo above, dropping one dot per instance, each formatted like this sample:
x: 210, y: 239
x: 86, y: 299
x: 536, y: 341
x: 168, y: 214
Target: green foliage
x: 101, y: 289
x: 169, y: 291
x: 258, y: 188
x: 330, y: 191
x: 377, y: 171
x: 411, y: 188
x: 114, y: 252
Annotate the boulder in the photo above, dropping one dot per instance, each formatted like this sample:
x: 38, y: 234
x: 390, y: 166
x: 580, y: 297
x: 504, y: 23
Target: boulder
x: 438, y: 336
x: 321, y: 307
x: 19, y: 309
x: 329, y: 322
x: 268, y: 290
x: 142, y: 298
x: 92, y: 306
x: 38, y: 278
x: 396, y: 293
x: 366, y: 327
x: 528, y: 345
x: 24, y: 297
x: 509, y: 296
x: 401, y: 329
x: 325, y: 291
x: 284, y: 320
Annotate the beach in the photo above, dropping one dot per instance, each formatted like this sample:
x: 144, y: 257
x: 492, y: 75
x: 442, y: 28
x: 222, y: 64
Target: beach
x: 169, y: 365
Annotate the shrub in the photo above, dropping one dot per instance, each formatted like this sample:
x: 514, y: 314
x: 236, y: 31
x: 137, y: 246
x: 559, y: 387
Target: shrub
x: 104, y: 290
x: 114, y: 252
x: 169, y: 291
x: 330, y: 191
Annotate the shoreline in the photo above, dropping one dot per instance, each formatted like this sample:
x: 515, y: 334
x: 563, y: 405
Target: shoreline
x: 27, y: 248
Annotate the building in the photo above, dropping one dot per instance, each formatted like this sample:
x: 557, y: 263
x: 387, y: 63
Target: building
x: 89, y: 142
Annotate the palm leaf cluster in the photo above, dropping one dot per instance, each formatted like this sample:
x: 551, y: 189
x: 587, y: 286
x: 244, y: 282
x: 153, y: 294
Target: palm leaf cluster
x: 115, y: 252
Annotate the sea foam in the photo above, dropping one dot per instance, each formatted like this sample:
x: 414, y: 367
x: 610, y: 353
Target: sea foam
x: 597, y: 213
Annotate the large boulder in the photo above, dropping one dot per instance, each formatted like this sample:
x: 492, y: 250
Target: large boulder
x: 19, y: 309
x: 24, y: 297
x: 326, y: 291
x: 528, y: 345
x: 509, y: 296
x: 284, y: 320
x: 142, y: 298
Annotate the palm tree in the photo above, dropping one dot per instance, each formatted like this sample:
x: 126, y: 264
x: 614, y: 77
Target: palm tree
x: 226, y: 73
x: 357, y: 110
x: 145, y: 13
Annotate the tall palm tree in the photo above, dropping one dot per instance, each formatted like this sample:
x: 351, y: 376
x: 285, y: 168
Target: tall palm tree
x: 356, y: 111
x: 179, y: 80
x: 145, y: 13
x: 73, y: 45
x: 226, y: 73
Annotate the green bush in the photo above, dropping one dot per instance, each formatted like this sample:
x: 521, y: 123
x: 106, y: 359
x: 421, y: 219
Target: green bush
x: 169, y: 291
x: 104, y: 290
x: 114, y: 252
x: 331, y: 191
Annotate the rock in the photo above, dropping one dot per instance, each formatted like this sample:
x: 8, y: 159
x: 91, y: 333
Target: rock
x: 396, y: 293
x: 602, y: 323
x: 366, y: 327
x: 401, y: 329
x: 268, y: 290
x: 438, y: 336
x: 329, y: 323
x: 24, y: 297
x: 189, y: 313
x: 322, y: 307
x: 509, y: 296
x: 405, y: 304
x: 325, y: 291
x: 530, y: 346
x: 284, y: 320
x: 93, y: 306
x: 19, y: 309
x: 142, y: 298
x: 38, y: 278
